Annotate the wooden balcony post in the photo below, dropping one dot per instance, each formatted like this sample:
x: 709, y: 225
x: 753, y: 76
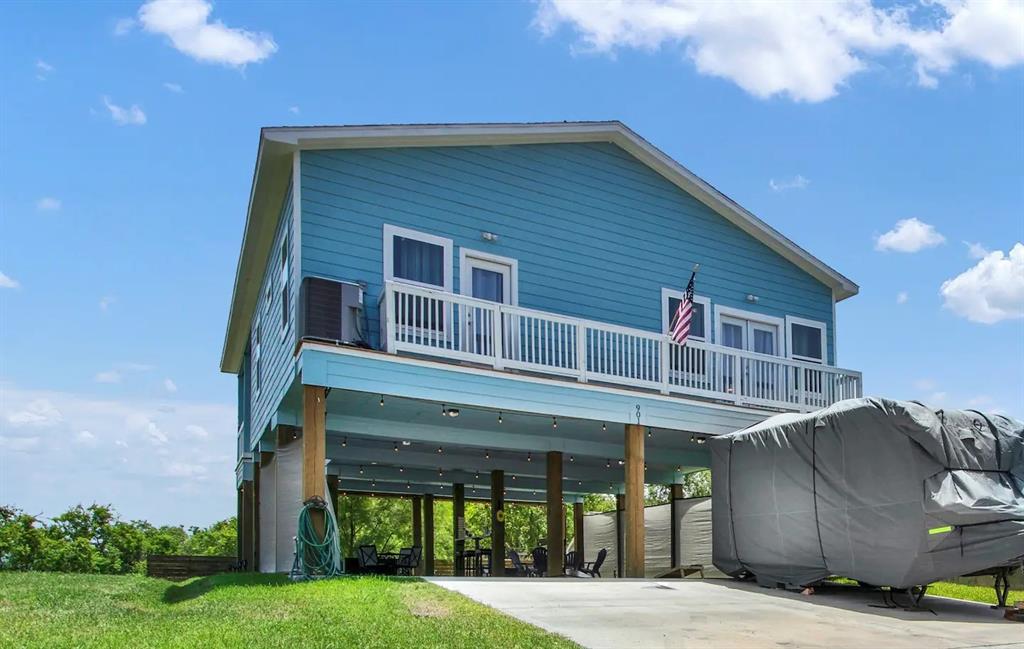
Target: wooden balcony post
x: 428, y: 535
x: 674, y: 498
x: 577, y: 529
x: 255, y: 565
x: 498, y: 523
x: 556, y: 516
x: 459, y: 528
x: 634, y: 532
x: 620, y: 508
x: 332, y: 493
x: 417, y: 528
x: 314, y: 460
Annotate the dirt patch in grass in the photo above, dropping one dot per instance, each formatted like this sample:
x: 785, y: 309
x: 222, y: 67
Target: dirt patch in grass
x: 425, y: 604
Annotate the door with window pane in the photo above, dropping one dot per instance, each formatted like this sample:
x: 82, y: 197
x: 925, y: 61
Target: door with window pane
x: 490, y: 281
x: 751, y: 376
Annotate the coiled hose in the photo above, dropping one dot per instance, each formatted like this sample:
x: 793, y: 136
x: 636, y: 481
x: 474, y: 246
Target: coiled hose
x: 317, y: 557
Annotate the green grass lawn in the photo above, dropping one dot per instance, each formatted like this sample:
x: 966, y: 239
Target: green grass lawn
x: 985, y: 594
x: 973, y: 593
x: 247, y: 610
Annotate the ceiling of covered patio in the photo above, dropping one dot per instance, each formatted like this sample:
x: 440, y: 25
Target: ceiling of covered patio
x: 378, y: 442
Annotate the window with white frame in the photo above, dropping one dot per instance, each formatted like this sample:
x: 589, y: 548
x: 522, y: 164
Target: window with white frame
x: 417, y: 258
x: 700, y: 321
x: 806, y: 339
x: 284, y: 286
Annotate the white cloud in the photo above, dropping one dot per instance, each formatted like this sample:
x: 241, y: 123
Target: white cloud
x: 37, y: 412
x: 117, y: 373
x: 902, y: 297
x: 132, y: 116
x: 803, y: 50
x: 796, y: 182
x: 106, y: 301
x: 976, y: 250
x: 990, y: 291
x: 979, y: 401
x: 924, y: 385
x: 48, y: 204
x: 174, y: 87
x: 8, y: 282
x: 43, y: 70
x: 136, y: 455
x: 909, y: 235
x: 108, y: 376
x: 183, y: 470
x: 186, y: 23
x: 20, y: 444
x: 197, y: 431
x: 937, y: 399
x: 170, y: 386
x: 123, y: 26
x: 294, y: 110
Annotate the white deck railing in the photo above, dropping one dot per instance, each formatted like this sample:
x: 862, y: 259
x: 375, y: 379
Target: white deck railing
x: 458, y: 327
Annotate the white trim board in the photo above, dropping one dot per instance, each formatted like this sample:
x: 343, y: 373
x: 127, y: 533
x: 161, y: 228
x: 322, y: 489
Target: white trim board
x: 466, y: 254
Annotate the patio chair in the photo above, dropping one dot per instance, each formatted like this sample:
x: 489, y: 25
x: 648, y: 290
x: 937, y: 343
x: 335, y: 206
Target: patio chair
x: 522, y: 570
x: 593, y: 568
x: 368, y: 561
x: 409, y: 560
x: 573, y: 562
x: 540, y: 560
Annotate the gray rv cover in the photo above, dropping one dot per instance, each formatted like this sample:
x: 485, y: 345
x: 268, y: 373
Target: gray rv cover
x: 884, y: 492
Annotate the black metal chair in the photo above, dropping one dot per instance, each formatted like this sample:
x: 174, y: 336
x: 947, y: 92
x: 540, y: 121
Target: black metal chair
x: 368, y: 560
x: 408, y: 560
x: 540, y: 560
x: 522, y: 570
x: 593, y: 568
x: 573, y: 562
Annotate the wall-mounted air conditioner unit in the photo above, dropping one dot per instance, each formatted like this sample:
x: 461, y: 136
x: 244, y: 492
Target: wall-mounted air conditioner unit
x: 331, y: 311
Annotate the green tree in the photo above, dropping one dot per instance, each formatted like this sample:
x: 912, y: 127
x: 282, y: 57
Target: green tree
x: 697, y: 484
x: 384, y: 522
x: 219, y: 539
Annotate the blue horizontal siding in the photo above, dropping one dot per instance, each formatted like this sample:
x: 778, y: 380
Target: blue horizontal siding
x: 278, y: 360
x: 597, y: 233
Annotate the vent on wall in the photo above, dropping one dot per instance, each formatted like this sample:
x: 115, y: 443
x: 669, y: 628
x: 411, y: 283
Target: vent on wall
x: 331, y: 311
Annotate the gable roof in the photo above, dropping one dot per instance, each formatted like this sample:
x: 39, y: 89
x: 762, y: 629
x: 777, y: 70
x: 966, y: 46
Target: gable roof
x: 275, y: 161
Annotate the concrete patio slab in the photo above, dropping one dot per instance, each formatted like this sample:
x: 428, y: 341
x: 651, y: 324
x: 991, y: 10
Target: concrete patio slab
x: 619, y: 613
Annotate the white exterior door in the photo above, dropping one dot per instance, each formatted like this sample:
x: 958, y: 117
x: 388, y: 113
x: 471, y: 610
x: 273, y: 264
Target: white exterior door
x: 489, y: 280
x: 751, y: 377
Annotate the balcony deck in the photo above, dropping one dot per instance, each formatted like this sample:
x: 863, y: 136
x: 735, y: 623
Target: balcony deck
x: 454, y: 327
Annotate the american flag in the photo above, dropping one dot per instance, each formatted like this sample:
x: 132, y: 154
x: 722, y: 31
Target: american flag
x: 681, y: 321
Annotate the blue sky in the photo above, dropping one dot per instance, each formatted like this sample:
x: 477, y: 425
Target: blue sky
x: 128, y: 135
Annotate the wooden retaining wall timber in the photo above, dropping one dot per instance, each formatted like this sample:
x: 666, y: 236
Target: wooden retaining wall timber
x: 177, y: 567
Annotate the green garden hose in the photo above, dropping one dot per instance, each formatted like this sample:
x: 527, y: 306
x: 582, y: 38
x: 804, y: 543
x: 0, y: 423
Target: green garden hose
x: 315, y: 556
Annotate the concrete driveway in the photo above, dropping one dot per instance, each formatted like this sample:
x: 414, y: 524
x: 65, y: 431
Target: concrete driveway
x: 723, y: 613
